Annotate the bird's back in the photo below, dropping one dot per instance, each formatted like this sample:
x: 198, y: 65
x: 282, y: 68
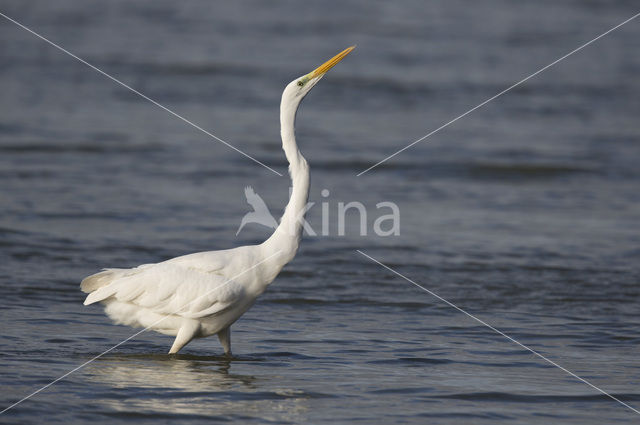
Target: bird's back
x: 183, y: 287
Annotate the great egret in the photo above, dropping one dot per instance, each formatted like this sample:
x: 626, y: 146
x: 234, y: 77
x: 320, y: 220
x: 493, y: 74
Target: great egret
x: 202, y: 294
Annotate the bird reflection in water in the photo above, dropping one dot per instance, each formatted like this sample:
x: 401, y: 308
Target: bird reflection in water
x: 190, y: 385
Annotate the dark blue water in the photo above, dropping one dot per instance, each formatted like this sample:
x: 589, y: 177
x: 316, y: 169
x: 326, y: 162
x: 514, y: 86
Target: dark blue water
x: 524, y: 213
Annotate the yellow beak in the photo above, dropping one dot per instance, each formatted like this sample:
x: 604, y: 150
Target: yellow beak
x: 322, y: 69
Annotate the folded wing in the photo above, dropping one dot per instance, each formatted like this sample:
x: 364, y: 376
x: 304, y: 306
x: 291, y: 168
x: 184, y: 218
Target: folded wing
x: 166, y: 288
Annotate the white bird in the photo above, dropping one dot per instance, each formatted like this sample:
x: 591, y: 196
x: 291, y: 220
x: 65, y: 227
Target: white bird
x: 260, y: 213
x: 202, y: 294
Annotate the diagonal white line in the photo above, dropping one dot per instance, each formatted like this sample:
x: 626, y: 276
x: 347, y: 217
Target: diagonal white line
x: 133, y: 336
x: 499, y: 94
x: 112, y: 78
x: 498, y: 331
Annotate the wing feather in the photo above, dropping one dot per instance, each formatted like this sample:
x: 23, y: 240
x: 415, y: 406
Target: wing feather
x: 169, y: 288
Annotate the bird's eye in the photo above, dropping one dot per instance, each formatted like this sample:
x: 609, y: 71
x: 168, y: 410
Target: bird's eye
x: 300, y: 83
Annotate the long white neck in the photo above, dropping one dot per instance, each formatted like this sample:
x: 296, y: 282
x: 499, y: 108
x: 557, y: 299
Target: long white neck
x: 287, y: 236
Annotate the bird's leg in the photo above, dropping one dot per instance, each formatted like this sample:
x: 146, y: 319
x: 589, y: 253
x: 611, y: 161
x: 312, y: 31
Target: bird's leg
x: 225, y: 340
x: 186, y: 333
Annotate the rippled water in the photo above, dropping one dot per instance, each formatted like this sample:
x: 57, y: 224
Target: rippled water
x: 524, y: 213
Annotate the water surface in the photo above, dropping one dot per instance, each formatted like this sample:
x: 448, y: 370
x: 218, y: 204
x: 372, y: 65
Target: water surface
x: 524, y: 213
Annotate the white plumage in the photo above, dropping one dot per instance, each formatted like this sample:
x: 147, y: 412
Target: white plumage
x: 202, y: 294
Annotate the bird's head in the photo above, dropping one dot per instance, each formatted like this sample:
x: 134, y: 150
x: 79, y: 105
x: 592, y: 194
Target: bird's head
x: 298, y: 88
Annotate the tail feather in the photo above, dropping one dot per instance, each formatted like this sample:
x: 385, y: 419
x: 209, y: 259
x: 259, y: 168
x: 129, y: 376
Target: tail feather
x: 98, y: 280
x: 99, y: 295
x: 96, y: 284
